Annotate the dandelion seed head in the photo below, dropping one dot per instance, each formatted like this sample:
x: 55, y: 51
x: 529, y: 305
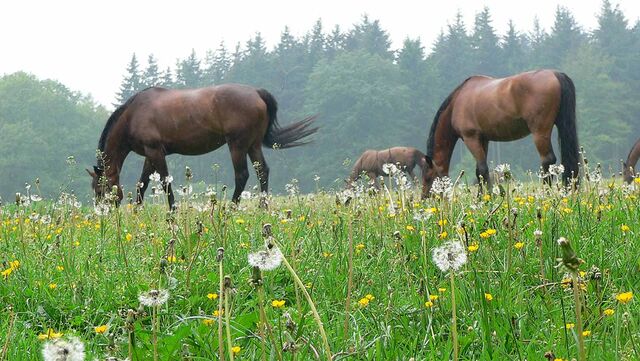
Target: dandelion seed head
x: 556, y: 169
x: 267, y: 259
x: 154, y: 177
x: 153, y: 298
x: 450, y: 256
x: 63, y: 350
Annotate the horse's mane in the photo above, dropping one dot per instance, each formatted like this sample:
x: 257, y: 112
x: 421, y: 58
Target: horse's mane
x: 115, y: 116
x: 431, y: 140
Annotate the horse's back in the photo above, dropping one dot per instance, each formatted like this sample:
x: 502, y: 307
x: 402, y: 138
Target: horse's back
x: 506, y: 108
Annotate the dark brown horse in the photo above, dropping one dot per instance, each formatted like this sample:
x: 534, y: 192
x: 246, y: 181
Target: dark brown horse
x: 484, y: 109
x: 371, y: 162
x: 157, y: 122
x: 630, y: 164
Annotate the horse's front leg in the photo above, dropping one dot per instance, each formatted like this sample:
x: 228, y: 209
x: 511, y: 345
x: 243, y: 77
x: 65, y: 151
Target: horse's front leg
x: 147, y: 169
x: 479, y: 149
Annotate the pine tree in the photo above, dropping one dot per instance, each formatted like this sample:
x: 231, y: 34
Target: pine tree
x: 485, y: 46
x: 316, y: 43
x: 132, y: 82
x: 614, y: 38
x: 218, y: 65
x: 188, y: 73
x: 450, y: 56
x: 151, y: 75
x: 565, y: 38
x: 167, y: 78
x: 335, y: 42
x: 370, y: 37
x: 514, y: 51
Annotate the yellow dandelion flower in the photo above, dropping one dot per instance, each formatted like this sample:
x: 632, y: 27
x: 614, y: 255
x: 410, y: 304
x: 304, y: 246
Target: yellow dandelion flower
x: 5, y: 274
x: 236, y: 350
x: 473, y: 247
x: 60, y: 268
x: 586, y: 333
x: 128, y: 237
x: 327, y: 254
x: 625, y: 297
x: 567, y: 210
x: 569, y: 326
x: 636, y: 180
x: 50, y: 335
x: 428, y: 304
x: 423, y: 232
x: 410, y: 228
x: 433, y: 297
x: 443, y: 235
x: 486, y: 197
x: 14, y: 264
x: 488, y: 297
x: 484, y: 235
x: 364, y: 302
x: 278, y: 303
x: 53, y: 286
x: 491, y: 231
x: 442, y: 222
x: 624, y: 228
x: 609, y: 312
x: 216, y: 313
x: 208, y: 322
x: 518, y: 245
x: 369, y: 297
x: 101, y: 329
x: 244, y: 245
x: 442, y: 290
x: 171, y: 259
x: 212, y: 296
x: 239, y: 221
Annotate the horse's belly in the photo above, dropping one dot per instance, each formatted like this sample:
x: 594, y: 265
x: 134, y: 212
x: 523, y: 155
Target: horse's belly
x: 507, y: 131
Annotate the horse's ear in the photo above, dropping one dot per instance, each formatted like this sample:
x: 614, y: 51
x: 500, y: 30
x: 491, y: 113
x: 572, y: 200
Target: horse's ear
x: 428, y: 160
x: 92, y: 174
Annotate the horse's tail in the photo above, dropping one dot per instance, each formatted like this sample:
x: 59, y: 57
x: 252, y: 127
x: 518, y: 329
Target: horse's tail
x: 567, y: 132
x: 289, y: 136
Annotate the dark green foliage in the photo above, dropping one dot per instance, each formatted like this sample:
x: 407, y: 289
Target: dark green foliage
x: 366, y: 93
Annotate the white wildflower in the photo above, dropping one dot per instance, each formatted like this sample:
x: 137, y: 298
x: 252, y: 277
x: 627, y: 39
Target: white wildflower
x: 153, y: 298
x: 63, y: 350
x: 168, y: 179
x: 46, y: 219
x: 503, y: 168
x: 101, y: 209
x: 154, y: 177
x: 245, y: 195
x: 185, y: 191
x: 267, y: 259
x: 422, y: 216
x: 556, y: 169
x: 537, y: 233
x: 450, y: 256
x: 35, y: 198
x: 390, y: 169
x: 442, y: 186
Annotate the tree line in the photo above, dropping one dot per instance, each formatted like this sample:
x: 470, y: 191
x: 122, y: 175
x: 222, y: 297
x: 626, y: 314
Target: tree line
x: 369, y: 95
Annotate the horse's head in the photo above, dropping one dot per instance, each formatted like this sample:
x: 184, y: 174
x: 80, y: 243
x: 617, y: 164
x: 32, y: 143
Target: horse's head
x: 429, y: 173
x: 102, y: 185
x: 627, y: 173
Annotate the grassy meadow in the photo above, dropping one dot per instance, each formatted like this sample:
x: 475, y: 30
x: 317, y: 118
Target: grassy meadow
x: 364, y: 260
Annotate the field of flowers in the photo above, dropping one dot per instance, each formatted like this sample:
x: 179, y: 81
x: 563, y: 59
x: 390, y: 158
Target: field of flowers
x: 525, y: 272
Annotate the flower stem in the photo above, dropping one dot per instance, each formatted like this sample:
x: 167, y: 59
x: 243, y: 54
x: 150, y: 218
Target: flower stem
x: 316, y: 316
x: 454, y: 324
x: 227, y: 317
x: 576, y: 298
x: 221, y: 293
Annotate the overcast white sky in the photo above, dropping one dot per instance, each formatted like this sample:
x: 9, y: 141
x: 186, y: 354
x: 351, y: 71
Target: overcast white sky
x: 87, y: 44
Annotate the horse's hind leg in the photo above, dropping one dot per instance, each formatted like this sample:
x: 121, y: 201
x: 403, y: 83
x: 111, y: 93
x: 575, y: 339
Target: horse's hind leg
x: 545, y: 149
x: 147, y: 169
x: 239, y: 159
x: 262, y: 170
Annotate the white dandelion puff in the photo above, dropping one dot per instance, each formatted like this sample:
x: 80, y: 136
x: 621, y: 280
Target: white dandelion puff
x: 442, y: 186
x: 154, y: 177
x: 556, y: 169
x: 168, y: 179
x: 63, y: 350
x: 390, y: 169
x: 267, y: 259
x: 537, y: 233
x: 245, y: 195
x: 153, y: 298
x: 101, y: 209
x: 450, y: 256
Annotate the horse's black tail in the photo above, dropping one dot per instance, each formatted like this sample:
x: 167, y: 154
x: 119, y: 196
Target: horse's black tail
x: 289, y: 136
x: 567, y: 132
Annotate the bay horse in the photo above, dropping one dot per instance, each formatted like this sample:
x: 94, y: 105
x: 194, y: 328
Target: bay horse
x: 371, y: 162
x: 629, y: 165
x: 484, y: 109
x: 157, y: 122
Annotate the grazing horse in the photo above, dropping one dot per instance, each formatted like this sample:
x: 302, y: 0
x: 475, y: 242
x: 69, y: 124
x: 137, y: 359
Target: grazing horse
x: 629, y: 165
x: 484, y: 109
x: 157, y: 122
x: 371, y: 162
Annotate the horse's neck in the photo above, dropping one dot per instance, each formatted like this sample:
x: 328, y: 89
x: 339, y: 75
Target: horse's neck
x: 634, y: 155
x: 445, y: 144
x: 114, y: 155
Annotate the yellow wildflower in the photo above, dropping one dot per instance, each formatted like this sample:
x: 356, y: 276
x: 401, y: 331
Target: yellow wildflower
x: 171, y: 259
x: 519, y: 245
x: 369, y: 297
x: 486, y: 197
x: 609, y: 312
x: 216, y: 313
x: 208, y: 322
x: 212, y: 296
x: 278, y: 303
x: 51, y: 334
x: 410, y: 228
x: 442, y: 290
x: 625, y: 297
x: 624, y: 228
x: 428, y: 304
x: 569, y: 326
x: 433, y: 297
x: 442, y: 222
x: 60, y: 268
x: 488, y: 297
x: 359, y: 247
x: 484, y: 234
x: 364, y: 302
x: 443, y: 235
x: 101, y: 329
x: 52, y: 285
x: 239, y: 221
x: 473, y: 247
x: 235, y: 350
x: 586, y: 333
x: 128, y: 237
x: 491, y: 231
